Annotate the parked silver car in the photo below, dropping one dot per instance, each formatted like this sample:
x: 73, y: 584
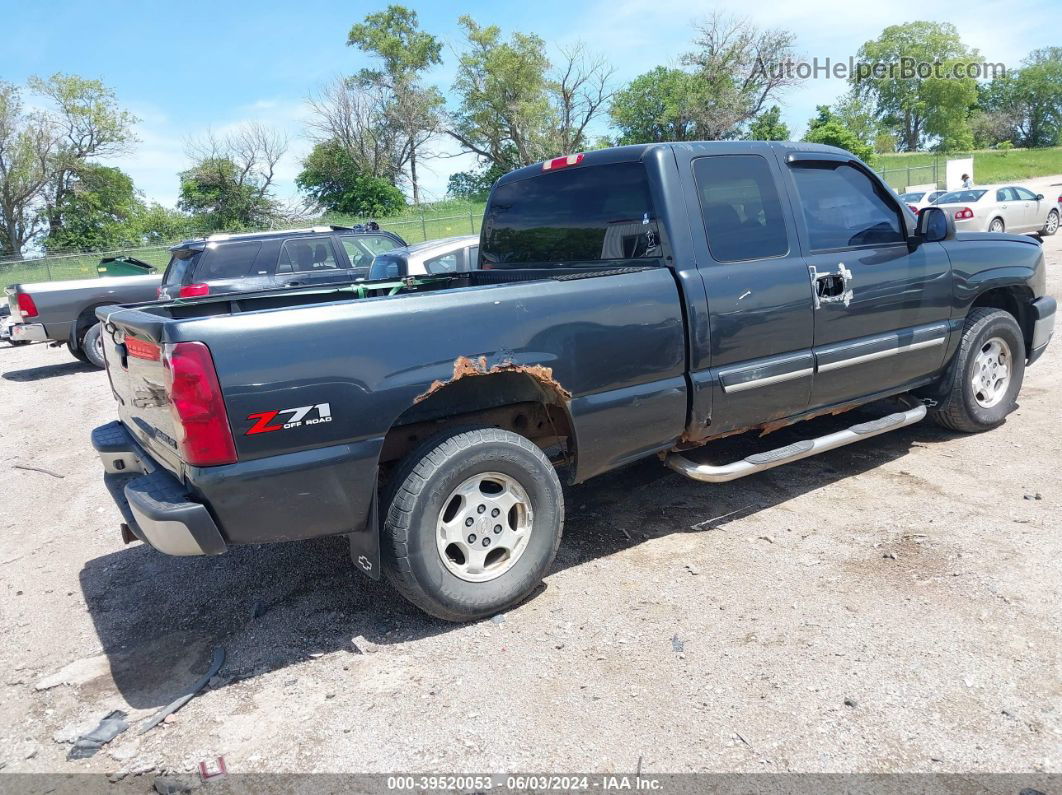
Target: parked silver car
x: 1008, y: 208
x: 448, y: 255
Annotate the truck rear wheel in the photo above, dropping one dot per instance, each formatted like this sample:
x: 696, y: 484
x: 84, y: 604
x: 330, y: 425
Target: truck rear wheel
x: 474, y: 522
x: 986, y: 374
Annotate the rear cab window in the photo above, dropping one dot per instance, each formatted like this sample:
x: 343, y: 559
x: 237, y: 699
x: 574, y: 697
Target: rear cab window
x: 577, y: 217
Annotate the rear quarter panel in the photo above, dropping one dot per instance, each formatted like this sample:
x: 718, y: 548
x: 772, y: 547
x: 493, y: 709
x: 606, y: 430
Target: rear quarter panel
x: 60, y: 303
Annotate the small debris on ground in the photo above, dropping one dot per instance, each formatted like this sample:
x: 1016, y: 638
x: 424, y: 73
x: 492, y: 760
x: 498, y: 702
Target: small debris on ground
x: 360, y: 645
x: 39, y: 469
x: 1036, y: 496
x: 110, y: 727
x: 678, y: 645
x: 850, y: 702
x: 215, y: 666
x: 498, y: 619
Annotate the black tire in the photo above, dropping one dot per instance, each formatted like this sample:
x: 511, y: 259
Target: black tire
x: 77, y: 353
x: 999, y: 221
x: 1049, y: 228
x: 421, y: 488
x: 959, y: 410
x: 90, y: 346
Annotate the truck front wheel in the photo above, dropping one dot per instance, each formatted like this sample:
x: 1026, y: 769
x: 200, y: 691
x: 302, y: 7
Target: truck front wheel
x: 474, y: 522
x: 986, y: 374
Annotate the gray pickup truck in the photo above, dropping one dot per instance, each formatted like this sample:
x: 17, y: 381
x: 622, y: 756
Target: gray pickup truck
x: 630, y: 302
x: 65, y: 312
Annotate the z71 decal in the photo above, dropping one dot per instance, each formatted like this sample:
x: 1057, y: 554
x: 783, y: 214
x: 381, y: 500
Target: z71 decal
x: 285, y: 419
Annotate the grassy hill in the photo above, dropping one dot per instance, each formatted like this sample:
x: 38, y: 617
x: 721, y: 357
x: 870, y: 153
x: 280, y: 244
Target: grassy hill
x: 990, y: 165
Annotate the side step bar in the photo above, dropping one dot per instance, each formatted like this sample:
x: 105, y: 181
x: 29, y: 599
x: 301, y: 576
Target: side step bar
x: 793, y: 452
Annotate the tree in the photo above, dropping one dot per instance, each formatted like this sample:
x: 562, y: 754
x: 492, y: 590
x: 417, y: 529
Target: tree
x: 733, y: 78
x: 27, y: 146
x: 918, y: 107
x: 656, y: 106
x: 1029, y: 100
x: 768, y: 126
x: 100, y: 210
x: 335, y: 181
x: 89, y: 124
x: 406, y: 52
x: 473, y: 185
x: 355, y: 117
x: 515, y: 107
x: 229, y: 184
x: 827, y: 128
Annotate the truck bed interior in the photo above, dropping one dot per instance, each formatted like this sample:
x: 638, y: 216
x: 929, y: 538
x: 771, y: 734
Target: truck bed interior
x: 291, y: 297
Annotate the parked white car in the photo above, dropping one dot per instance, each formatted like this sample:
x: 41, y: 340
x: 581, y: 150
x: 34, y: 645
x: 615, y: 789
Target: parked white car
x: 917, y: 199
x: 448, y: 255
x: 1008, y: 208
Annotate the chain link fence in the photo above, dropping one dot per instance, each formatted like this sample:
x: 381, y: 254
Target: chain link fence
x: 900, y: 178
x: 82, y: 265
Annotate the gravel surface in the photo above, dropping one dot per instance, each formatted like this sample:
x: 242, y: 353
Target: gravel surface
x: 889, y: 606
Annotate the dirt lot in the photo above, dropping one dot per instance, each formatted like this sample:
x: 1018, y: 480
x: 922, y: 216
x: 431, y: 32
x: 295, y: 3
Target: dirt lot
x: 890, y: 606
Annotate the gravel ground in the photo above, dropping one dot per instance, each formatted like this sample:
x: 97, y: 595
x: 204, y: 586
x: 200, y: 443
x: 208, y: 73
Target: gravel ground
x: 889, y: 606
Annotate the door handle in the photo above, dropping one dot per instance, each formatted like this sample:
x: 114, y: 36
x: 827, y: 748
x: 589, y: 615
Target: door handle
x: 831, y: 288
x: 293, y: 284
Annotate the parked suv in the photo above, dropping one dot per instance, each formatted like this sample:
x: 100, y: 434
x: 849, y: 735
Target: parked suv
x: 227, y: 263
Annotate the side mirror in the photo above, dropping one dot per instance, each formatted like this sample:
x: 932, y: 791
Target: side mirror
x: 935, y: 225
x: 1039, y: 197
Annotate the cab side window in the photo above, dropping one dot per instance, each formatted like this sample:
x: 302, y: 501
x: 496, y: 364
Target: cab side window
x: 740, y: 207
x: 1024, y: 194
x: 307, y: 255
x: 845, y: 208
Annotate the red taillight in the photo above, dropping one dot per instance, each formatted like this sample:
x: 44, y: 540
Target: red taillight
x: 158, y: 292
x: 562, y: 162
x: 963, y: 214
x: 201, y: 422
x: 26, y: 307
x: 192, y: 290
x: 141, y: 349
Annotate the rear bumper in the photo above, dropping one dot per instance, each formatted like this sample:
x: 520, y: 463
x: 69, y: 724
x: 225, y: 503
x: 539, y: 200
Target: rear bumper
x: 1043, y: 326
x: 28, y: 332
x: 155, y: 505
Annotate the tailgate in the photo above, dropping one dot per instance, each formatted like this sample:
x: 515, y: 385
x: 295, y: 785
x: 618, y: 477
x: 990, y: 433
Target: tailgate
x: 138, y: 379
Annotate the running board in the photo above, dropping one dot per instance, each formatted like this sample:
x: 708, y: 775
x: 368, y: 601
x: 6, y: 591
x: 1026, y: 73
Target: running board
x: 793, y: 452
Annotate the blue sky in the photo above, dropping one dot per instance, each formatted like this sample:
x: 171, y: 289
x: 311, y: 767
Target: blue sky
x: 187, y: 67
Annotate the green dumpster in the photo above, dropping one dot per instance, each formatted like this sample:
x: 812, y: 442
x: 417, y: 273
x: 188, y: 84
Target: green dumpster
x: 123, y: 266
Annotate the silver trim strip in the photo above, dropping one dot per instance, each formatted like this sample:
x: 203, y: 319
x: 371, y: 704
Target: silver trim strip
x: 869, y: 357
x: 771, y: 379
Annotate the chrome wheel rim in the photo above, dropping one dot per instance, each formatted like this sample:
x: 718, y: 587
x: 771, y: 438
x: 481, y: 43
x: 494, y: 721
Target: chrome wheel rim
x: 995, y: 226
x: 992, y: 369
x: 97, y: 345
x: 484, y: 526
x: 1052, y: 223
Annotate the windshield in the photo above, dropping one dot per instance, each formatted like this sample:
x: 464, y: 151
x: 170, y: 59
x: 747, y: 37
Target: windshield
x: 960, y: 197
x: 912, y: 197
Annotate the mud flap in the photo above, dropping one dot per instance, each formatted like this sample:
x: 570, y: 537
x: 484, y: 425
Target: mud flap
x: 365, y: 542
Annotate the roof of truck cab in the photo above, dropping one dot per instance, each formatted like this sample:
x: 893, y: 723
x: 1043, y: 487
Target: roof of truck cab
x: 636, y: 152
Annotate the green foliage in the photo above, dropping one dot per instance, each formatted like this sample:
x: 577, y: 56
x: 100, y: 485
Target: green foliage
x: 332, y: 177
x: 1029, y: 100
x: 884, y: 143
x: 654, y: 107
x: 473, y: 185
x: 917, y: 108
x: 768, y: 126
x: 394, y: 36
x: 27, y: 146
x: 97, y: 212
x: 1004, y: 147
x: 827, y: 128
x: 222, y: 198
x: 406, y: 52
